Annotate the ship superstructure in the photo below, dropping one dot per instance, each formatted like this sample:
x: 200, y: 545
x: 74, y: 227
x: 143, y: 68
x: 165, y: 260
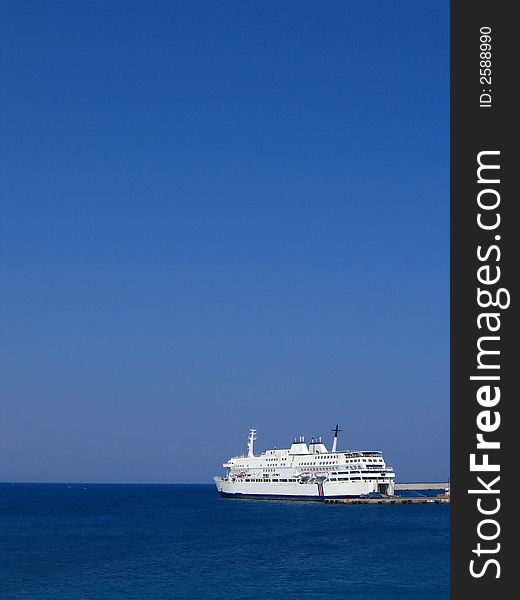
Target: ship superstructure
x: 306, y: 471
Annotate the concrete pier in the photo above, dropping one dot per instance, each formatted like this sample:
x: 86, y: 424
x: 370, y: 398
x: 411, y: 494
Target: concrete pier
x: 390, y: 500
x: 421, y: 486
x: 441, y: 498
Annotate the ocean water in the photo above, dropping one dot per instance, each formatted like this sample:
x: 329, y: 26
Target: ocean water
x: 183, y: 542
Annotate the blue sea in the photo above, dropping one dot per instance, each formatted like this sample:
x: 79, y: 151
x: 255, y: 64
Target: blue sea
x: 183, y: 542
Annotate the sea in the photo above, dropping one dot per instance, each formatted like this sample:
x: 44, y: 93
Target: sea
x: 182, y: 542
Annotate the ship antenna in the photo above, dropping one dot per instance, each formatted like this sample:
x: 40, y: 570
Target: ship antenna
x: 250, y: 442
x: 335, y: 441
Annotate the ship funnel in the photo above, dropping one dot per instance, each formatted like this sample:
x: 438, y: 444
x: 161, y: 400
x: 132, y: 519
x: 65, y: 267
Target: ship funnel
x: 251, y: 442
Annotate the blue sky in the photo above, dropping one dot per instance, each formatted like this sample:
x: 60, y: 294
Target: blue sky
x: 219, y: 215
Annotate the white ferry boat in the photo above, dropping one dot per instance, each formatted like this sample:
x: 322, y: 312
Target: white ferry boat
x: 306, y: 472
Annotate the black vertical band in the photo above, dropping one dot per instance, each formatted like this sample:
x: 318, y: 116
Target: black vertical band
x: 483, y: 129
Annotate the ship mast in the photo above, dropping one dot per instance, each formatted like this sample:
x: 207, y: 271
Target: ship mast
x: 250, y: 442
x: 335, y: 441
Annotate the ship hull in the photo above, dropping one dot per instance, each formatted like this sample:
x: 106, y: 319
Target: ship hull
x: 280, y: 497
x: 302, y: 491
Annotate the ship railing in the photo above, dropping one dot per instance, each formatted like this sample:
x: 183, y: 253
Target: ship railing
x: 377, y: 468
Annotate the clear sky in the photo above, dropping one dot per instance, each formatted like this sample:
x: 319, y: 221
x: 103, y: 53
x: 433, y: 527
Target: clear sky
x: 219, y: 215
